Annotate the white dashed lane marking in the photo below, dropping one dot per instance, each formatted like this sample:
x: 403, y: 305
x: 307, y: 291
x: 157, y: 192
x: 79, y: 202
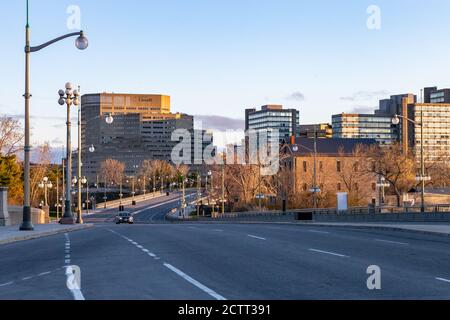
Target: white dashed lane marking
x: 392, y: 242
x: 443, y: 280
x: 256, y: 237
x: 195, y: 282
x: 6, y: 284
x: 329, y: 253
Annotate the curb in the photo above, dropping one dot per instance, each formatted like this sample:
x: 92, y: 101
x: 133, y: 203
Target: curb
x: 26, y: 237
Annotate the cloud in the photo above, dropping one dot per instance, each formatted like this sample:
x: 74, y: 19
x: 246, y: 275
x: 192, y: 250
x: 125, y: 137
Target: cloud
x: 296, y: 96
x: 366, y: 95
x: 220, y: 123
x: 362, y: 110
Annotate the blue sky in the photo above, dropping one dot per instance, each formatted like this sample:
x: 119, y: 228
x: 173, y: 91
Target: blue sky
x: 217, y: 57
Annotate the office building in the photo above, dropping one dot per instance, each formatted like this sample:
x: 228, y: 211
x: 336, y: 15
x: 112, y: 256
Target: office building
x: 142, y: 130
x: 323, y: 130
x: 436, y: 131
x: 274, y: 117
x: 365, y: 126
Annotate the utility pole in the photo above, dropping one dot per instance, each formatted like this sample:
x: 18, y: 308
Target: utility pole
x: 63, y: 188
x: 57, y: 195
x: 198, y: 194
x: 223, y: 186
x: 183, y: 200
x: 105, y: 196
x: 79, y: 213
x: 315, y: 169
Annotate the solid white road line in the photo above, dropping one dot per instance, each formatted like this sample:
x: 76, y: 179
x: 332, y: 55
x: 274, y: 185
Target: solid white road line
x: 6, y: 284
x: 195, y: 282
x: 217, y: 230
x: 255, y: 237
x: 44, y: 273
x: 392, y: 242
x: 442, y: 279
x: 330, y: 253
x: 27, y: 278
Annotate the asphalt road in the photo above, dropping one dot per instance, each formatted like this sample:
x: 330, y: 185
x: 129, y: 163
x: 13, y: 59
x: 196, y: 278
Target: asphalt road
x: 226, y: 261
x: 153, y: 210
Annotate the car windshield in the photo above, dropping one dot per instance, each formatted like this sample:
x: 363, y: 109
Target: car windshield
x: 124, y: 214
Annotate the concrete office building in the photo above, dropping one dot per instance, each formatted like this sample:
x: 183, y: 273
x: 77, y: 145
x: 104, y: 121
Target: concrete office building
x: 436, y: 131
x: 274, y: 117
x: 142, y: 130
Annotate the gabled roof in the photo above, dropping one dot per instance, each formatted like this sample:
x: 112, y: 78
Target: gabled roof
x: 330, y: 147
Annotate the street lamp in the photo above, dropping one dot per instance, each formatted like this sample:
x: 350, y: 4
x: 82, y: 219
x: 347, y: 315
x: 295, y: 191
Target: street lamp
x: 68, y: 97
x: 422, y: 178
x: 82, y: 44
x: 46, y: 185
x: 92, y: 149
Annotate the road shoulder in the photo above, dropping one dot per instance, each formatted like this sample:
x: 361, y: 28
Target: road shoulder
x: 12, y: 234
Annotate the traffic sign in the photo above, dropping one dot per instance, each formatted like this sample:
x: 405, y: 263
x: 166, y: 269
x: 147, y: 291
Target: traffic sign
x: 315, y: 190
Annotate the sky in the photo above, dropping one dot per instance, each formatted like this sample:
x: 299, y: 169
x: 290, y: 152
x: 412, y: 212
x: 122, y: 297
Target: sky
x: 217, y: 57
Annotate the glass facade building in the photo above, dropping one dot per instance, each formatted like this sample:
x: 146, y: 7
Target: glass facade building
x: 274, y: 117
x: 365, y: 126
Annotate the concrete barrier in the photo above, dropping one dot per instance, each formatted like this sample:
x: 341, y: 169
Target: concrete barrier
x: 384, y: 217
x: 37, y: 216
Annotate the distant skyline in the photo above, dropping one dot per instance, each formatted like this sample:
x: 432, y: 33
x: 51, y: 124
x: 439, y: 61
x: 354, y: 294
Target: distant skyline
x: 216, y: 58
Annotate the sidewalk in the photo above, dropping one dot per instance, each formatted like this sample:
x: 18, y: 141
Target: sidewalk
x: 430, y: 228
x: 12, y: 234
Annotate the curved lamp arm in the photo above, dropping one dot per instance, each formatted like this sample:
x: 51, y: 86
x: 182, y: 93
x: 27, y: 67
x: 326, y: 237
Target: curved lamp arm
x: 42, y: 46
x: 408, y: 119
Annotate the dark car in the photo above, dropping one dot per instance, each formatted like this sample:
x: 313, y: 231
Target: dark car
x: 124, y: 217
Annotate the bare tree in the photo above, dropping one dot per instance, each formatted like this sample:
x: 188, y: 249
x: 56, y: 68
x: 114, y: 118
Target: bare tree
x: 11, y: 136
x: 112, y: 171
x: 355, y: 179
x: 394, y: 165
x: 38, y: 171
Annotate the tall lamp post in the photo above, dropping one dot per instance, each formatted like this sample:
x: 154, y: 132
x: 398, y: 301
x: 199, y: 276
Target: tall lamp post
x: 82, y: 44
x: 68, y: 97
x: 422, y: 178
x: 46, y: 184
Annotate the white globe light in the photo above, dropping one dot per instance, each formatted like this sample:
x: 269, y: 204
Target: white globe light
x: 395, y: 120
x: 109, y: 119
x: 45, y: 179
x: 92, y: 149
x: 69, y: 86
x: 61, y: 102
x: 82, y: 42
x: 50, y: 185
x: 74, y: 180
x: 61, y: 92
x: 76, y: 101
x: 295, y: 148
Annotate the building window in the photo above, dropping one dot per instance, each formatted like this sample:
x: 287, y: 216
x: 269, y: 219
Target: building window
x: 339, y: 187
x: 374, y: 187
x: 305, y: 187
x: 338, y: 166
x: 321, y: 166
x: 305, y: 166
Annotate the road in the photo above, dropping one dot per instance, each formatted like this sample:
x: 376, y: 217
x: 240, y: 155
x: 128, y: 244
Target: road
x: 153, y: 210
x: 226, y: 261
